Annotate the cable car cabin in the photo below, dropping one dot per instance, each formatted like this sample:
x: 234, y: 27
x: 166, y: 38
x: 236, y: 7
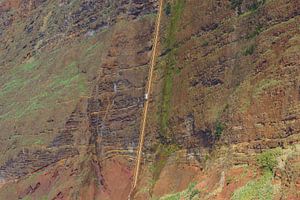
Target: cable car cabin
x: 146, y: 96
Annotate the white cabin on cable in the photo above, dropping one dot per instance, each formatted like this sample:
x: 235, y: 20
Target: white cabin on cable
x: 115, y: 87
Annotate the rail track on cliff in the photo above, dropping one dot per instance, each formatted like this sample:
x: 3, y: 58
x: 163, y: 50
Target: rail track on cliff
x: 146, y: 105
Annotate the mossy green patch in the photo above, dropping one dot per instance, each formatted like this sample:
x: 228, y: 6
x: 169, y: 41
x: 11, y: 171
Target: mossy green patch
x: 254, y: 33
x: 249, y: 50
x: 170, y: 65
x: 36, y: 88
x: 235, y: 3
x: 68, y: 78
x: 92, y: 49
x: 240, y: 100
x: 219, y: 129
x: 205, y: 43
x: 268, y: 159
x: 29, y: 65
x: 260, y: 189
x: 264, y: 85
x: 189, y: 194
x: 13, y: 85
x: 163, y: 152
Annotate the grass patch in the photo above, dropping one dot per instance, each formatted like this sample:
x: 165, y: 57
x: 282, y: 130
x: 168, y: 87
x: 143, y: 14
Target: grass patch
x: 167, y: 9
x: 205, y: 43
x: 92, y: 49
x: 268, y: 159
x: 260, y: 189
x: 162, y: 153
x: 241, y: 98
x: 29, y: 65
x: 67, y: 77
x: 13, y: 85
x: 264, y: 85
x: 256, y: 4
x: 169, y: 67
x: 249, y: 50
x: 36, y: 90
x: 219, y: 129
x: 189, y: 194
x: 235, y: 3
x: 254, y: 33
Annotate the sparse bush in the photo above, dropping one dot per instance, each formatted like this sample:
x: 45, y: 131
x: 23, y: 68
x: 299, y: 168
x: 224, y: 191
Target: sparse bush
x: 189, y: 194
x: 259, y: 189
x: 236, y: 3
x: 229, y: 180
x: 255, y: 5
x: 167, y: 9
x: 204, y: 43
x: 264, y: 85
x: 268, y: 159
x: 249, y: 50
x: 255, y: 33
x: 219, y: 129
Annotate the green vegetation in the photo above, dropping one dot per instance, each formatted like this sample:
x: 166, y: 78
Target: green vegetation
x: 256, y: 4
x: 241, y: 97
x: 12, y: 85
x: 189, y: 194
x: 204, y: 43
x: 219, y: 129
x: 45, y: 82
x: 169, y: 68
x: 176, y: 12
x: 16, y: 80
x: 229, y: 180
x: 69, y: 76
x: 163, y: 152
x: 263, y: 85
x: 29, y: 65
x: 260, y: 189
x: 166, y: 148
x: 236, y: 3
x: 167, y: 9
x: 91, y: 50
x: 249, y: 50
x: 268, y: 159
x: 255, y: 33
x: 57, y: 87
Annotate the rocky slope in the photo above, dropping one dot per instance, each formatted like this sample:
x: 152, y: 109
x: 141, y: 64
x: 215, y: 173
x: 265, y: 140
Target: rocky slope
x: 224, y: 111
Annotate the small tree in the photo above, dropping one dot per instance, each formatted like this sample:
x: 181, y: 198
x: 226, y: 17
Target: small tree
x: 268, y: 159
x: 236, y: 3
x: 219, y: 129
x: 167, y: 9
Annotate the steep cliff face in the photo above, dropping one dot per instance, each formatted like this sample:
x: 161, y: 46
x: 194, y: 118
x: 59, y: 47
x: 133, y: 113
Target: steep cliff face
x: 223, y: 120
x: 72, y: 82
x: 227, y: 90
